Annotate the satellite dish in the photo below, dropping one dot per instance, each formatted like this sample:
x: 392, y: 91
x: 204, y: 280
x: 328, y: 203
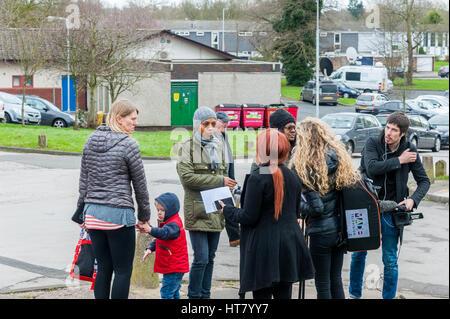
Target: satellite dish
x: 326, y: 66
x: 351, y: 54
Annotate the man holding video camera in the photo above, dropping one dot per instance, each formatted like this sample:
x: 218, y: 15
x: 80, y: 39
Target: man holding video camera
x: 387, y: 160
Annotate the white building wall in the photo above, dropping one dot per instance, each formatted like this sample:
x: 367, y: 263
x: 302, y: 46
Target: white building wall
x: 238, y: 88
x: 152, y: 98
x: 42, y: 78
x: 174, y: 49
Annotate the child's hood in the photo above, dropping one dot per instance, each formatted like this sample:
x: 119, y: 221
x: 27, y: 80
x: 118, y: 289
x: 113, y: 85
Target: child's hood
x: 170, y: 203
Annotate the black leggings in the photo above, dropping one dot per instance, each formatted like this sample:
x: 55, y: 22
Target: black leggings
x: 328, y: 260
x: 281, y: 290
x: 114, y: 251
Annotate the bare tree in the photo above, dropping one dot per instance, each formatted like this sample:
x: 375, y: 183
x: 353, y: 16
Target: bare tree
x: 102, y: 50
x: 31, y: 56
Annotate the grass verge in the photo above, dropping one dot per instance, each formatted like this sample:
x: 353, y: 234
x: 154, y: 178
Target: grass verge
x: 348, y: 101
x: 423, y: 84
x: 439, y: 64
x: 291, y: 92
x: 157, y: 143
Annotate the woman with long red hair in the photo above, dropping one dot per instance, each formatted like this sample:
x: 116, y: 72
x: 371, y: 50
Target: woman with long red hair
x: 273, y: 251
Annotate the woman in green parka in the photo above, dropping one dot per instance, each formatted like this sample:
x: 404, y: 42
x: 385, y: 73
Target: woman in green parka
x: 200, y: 167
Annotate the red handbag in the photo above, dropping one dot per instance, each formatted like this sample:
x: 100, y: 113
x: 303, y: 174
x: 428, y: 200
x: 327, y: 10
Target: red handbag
x: 84, y: 265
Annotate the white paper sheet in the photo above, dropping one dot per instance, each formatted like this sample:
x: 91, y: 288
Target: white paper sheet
x: 211, y: 195
x: 357, y: 223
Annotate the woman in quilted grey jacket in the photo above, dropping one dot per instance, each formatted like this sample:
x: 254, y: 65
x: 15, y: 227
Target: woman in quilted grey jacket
x: 110, y: 163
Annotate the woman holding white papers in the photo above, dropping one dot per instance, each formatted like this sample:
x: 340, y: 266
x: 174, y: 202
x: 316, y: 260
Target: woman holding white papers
x: 200, y: 167
x: 273, y: 251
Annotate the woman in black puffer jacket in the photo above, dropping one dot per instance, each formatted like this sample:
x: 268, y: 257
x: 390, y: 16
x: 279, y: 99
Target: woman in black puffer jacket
x: 111, y: 163
x: 324, y: 167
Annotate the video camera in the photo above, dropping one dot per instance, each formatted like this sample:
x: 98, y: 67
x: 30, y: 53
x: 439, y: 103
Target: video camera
x: 402, y: 217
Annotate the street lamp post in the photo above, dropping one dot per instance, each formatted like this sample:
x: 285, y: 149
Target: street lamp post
x: 52, y: 18
x: 317, y: 60
x: 223, y: 28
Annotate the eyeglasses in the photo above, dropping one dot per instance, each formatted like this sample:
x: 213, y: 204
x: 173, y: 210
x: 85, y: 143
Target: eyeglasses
x: 208, y: 123
x: 290, y: 127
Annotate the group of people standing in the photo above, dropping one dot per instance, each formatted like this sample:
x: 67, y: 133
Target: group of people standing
x: 297, y: 175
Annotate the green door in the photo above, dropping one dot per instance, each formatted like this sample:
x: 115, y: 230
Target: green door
x: 184, y: 102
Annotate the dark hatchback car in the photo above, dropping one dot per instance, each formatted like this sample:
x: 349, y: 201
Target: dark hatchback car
x: 440, y: 122
x: 353, y: 129
x: 347, y: 92
x: 420, y: 133
x: 50, y: 114
x: 328, y: 92
x: 412, y: 107
x: 443, y: 71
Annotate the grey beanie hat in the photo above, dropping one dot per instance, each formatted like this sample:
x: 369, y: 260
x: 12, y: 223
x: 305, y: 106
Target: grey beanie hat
x: 201, y: 114
x: 223, y: 116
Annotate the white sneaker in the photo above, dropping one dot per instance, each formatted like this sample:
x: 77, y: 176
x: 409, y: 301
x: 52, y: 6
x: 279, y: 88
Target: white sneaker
x: 353, y: 297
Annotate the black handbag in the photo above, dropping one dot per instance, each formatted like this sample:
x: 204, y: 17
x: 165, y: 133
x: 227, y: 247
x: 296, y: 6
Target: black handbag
x: 78, y: 215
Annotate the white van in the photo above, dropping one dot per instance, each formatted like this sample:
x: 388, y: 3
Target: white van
x: 363, y: 77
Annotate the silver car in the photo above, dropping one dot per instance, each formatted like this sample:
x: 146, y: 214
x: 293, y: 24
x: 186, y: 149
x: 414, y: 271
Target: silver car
x: 366, y: 101
x: 13, y: 110
x: 2, y: 113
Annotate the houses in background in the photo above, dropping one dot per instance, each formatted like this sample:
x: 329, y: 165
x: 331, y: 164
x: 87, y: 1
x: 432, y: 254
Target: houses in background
x: 379, y: 44
x: 184, y: 74
x: 246, y: 39
x: 243, y: 39
x: 195, y: 63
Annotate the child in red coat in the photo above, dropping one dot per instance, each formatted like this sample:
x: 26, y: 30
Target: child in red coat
x: 169, y: 245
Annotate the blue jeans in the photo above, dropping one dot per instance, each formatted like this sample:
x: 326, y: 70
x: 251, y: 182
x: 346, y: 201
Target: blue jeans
x: 389, y: 241
x: 204, y: 245
x: 170, y: 285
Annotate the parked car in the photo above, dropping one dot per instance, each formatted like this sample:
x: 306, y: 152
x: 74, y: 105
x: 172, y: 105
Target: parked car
x: 440, y: 122
x: 353, y: 129
x: 347, y: 92
x: 390, y: 86
x: 425, y: 108
x: 437, y: 100
x: 443, y: 71
x: 396, y: 72
x: 412, y: 107
x: 13, y: 110
x: 2, y: 113
x: 50, y: 114
x: 366, y: 101
x: 423, y: 134
x: 420, y: 133
x: 328, y: 92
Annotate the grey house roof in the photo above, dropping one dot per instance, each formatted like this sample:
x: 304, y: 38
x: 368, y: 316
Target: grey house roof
x: 14, y: 43
x: 214, y: 25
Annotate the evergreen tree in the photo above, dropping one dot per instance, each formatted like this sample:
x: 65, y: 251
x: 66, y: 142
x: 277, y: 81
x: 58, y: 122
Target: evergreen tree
x: 296, y: 39
x: 356, y: 8
x: 433, y: 17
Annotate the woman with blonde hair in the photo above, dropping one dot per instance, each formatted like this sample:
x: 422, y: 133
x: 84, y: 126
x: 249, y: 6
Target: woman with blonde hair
x: 273, y: 251
x: 324, y: 167
x: 110, y: 163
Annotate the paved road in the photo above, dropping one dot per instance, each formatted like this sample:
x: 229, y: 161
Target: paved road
x: 38, y: 195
